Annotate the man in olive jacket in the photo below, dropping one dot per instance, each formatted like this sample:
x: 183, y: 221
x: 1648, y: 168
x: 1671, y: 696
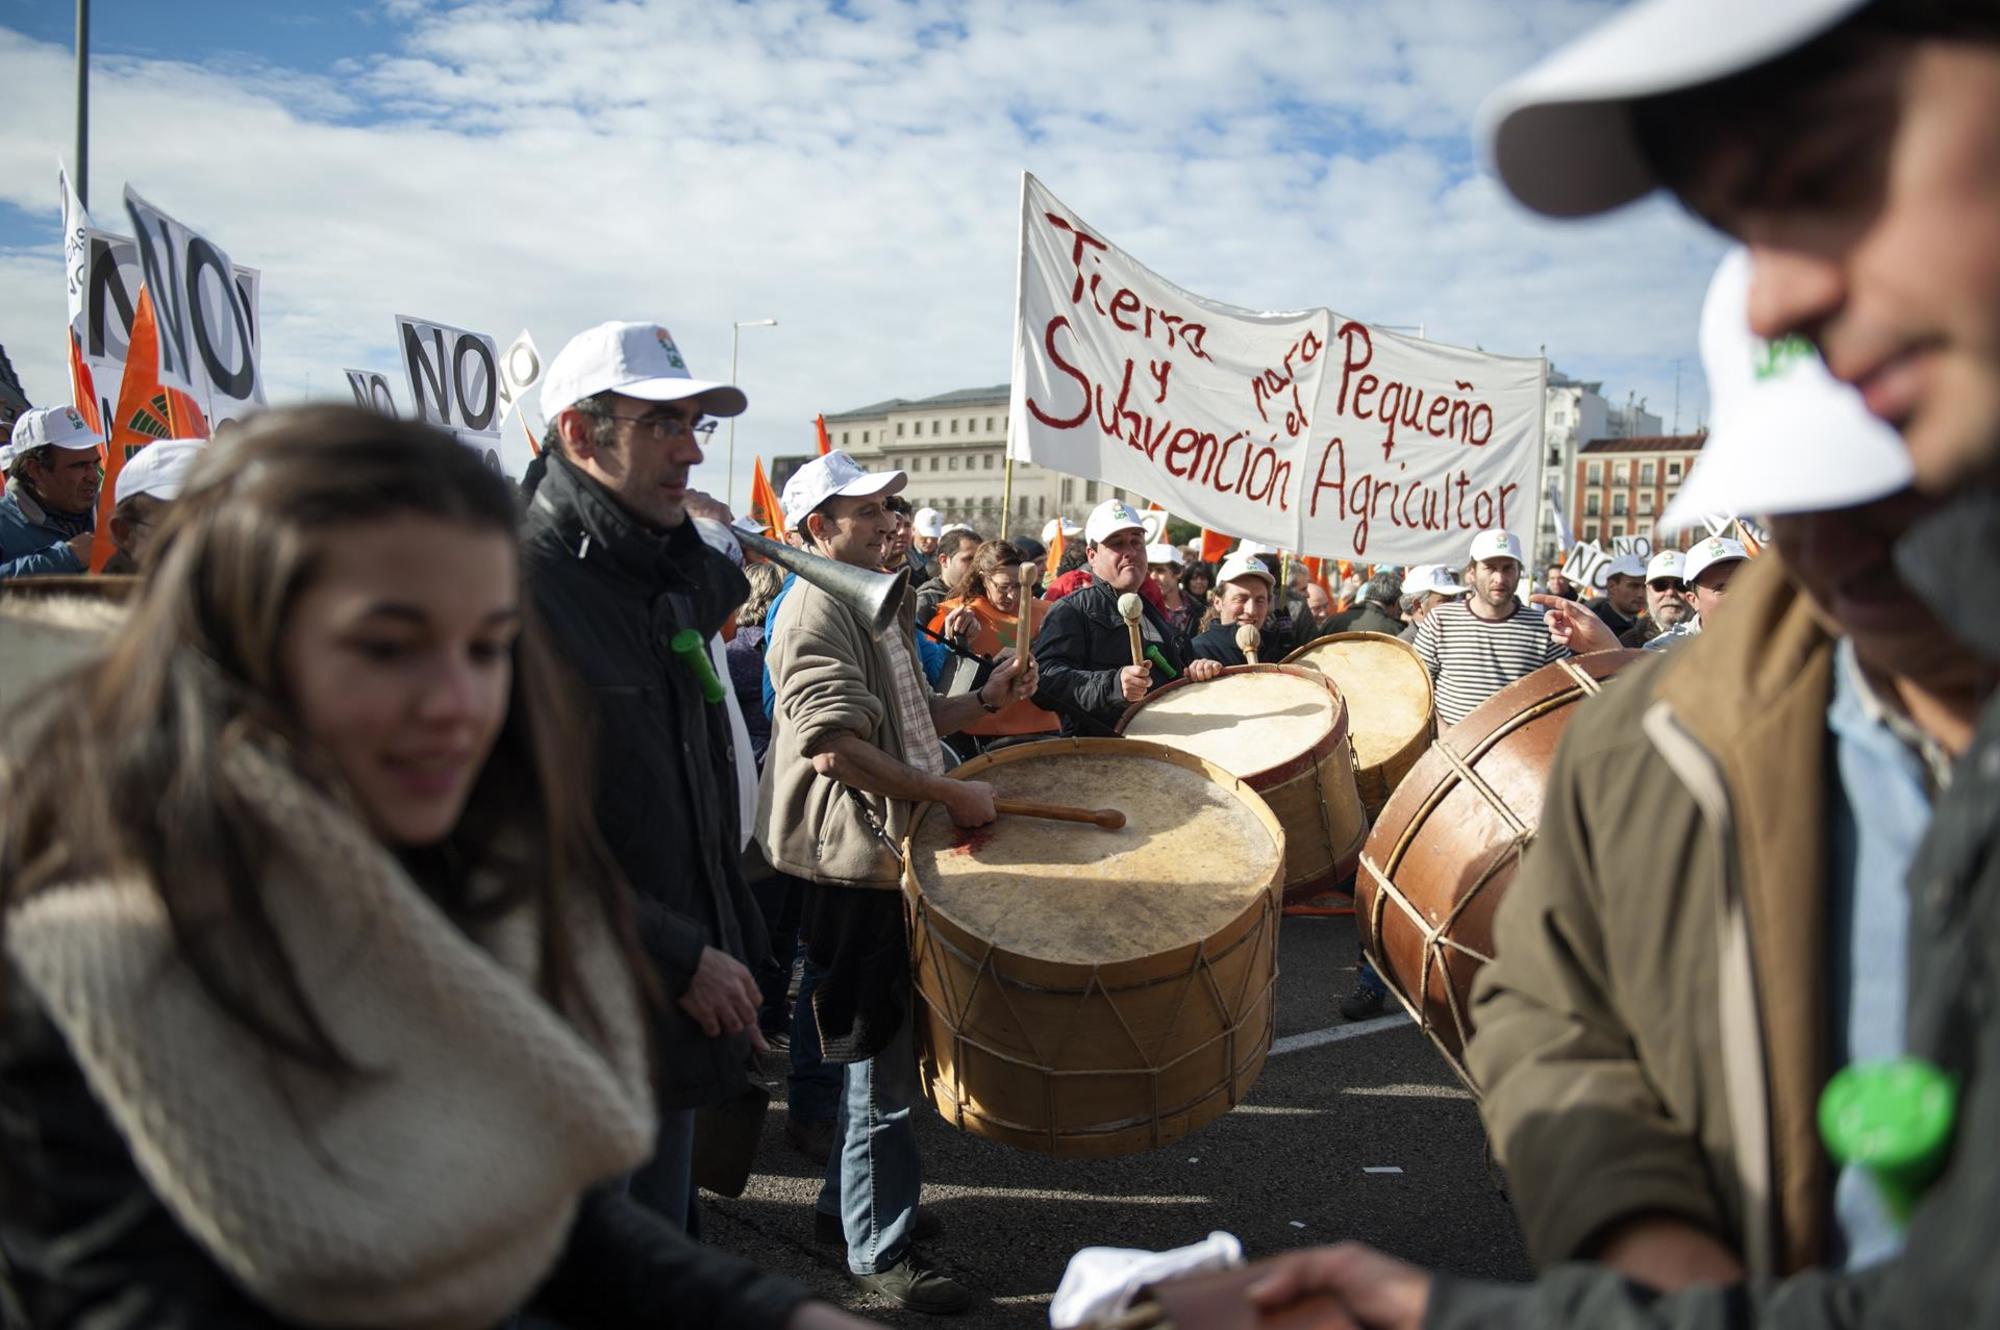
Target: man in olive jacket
x: 616, y: 569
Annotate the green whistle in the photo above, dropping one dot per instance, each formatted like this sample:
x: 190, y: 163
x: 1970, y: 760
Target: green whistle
x: 687, y: 644
x: 1159, y: 658
x: 1894, y: 1120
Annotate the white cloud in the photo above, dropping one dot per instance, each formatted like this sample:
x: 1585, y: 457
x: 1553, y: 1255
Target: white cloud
x: 854, y: 175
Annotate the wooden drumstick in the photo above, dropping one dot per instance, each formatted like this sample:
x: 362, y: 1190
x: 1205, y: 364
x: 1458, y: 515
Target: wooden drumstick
x: 1130, y: 607
x: 1108, y: 818
x: 1024, y: 627
x: 1248, y: 639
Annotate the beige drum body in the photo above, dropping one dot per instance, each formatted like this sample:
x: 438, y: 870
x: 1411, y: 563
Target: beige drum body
x: 1388, y: 695
x: 1082, y: 992
x: 1282, y: 729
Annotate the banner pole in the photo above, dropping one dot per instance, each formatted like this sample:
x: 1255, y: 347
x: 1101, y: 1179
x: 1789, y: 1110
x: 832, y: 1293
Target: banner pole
x: 1007, y: 493
x: 83, y: 102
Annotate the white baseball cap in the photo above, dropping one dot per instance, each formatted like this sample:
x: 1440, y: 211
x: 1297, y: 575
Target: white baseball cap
x: 1166, y: 554
x: 1626, y: 565
x: 1560, y: 136
x: 1240, y: 564
x: 833, y: 475
x: 928, y: 523
x: 636, y: 359
x: 62, y: 426
x: 1109, y: 518
x: 1788, y: 437
x: 1708, y: 553
x: 1435, y: 579
x: 157, y: 470
x: 1496, y: 544
x: 955, y: 526
x: 1667, y: 563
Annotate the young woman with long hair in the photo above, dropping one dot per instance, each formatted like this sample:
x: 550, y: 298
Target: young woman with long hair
x: 320, y: 1005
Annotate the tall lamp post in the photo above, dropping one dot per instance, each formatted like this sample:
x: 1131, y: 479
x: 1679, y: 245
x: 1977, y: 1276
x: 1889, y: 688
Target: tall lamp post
x: 735, y: 344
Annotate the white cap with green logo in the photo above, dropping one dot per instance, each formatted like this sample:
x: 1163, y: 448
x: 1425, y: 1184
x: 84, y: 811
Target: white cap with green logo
x: 1787, y: 437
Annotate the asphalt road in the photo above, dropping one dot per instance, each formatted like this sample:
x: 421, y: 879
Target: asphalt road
x: 1290, y: 1168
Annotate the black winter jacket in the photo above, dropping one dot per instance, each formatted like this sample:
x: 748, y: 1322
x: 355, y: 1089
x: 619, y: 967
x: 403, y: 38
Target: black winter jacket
x: 86, y: 1245
x: 1219, y: 643
x: 1081, y: 647
x: 613, y: 593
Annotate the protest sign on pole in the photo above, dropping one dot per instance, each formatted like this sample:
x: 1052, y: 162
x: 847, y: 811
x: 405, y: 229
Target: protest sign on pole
x: 454, y: 375
x: 371, y: 391
x: 1587, y: 565
x: 206, y: 315
x: 76, y: 267
x: 1564, y: 539
x: 1303, y: 430
x: 520, y: 376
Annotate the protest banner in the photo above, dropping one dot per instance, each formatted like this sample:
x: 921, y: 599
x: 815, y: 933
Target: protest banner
x: 520, y: 376
x: 371, y: 390
x: 1302, y: 430
x: 1564, y: 538
x: 454, y: 375
x: 206, y: 313
x: 1587, y: 565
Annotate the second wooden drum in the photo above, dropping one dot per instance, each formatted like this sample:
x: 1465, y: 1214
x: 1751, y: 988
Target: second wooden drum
x: 1447, y: 844
x: 1388, y: 694
x: 1082, y: 992
x: 1283, y: 729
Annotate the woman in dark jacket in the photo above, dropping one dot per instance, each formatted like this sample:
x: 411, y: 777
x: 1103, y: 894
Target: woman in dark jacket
x: 321, y: 1002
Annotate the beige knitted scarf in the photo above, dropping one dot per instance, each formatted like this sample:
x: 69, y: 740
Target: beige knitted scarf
x: 434, y: 1190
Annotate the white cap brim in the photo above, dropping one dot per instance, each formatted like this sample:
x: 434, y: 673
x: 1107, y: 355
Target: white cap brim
x: 874, y: 482
x: 1798, y: 441
x: 718, y: 399
x: 1560, y: 136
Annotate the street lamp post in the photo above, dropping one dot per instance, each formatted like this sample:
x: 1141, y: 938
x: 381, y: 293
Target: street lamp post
x: 735, y: 344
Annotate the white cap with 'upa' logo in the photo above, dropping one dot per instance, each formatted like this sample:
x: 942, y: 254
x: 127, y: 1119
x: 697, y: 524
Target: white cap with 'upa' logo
x: 636, y: 359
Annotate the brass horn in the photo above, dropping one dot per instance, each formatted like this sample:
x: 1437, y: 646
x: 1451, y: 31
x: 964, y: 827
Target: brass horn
x: 873, y: 596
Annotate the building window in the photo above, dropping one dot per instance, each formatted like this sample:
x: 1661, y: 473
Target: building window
x: 1090, y: 491
x: 988, y: 463
x: 989, y: 424
x: 934, y: 463
x: 1593, y: 506
x: 1068, y: 490
x: 1621, y: 473
x: 954, y: 427
x: 1042, y: 506
x: 1645, y: 501
x: 1645, y: 473
x: 952, y: 463
x: 1593, y: 473
x: 843, y: 438
x: 1645, y: 529
x: 899, y: 429
x: 1673, y: 471
x: 1590, y: 531
x: 1024, y: 505
x: 935, y: 426
x: 1617, y: 530
x: 1617, y: 505
x: 865, y: 434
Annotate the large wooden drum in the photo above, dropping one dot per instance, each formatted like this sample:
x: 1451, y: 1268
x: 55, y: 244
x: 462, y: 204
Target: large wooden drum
x: 1388, y: 695
x: 1446, y: 846
x: 1282, y: 729
x: 1082, y: 992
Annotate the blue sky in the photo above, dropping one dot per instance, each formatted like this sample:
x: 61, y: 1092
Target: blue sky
x: 851, y: 169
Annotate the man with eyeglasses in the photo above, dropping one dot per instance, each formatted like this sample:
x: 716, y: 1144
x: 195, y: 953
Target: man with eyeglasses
x: 617, y: 570
x: 1666, y: 599
x: 1710, y: 566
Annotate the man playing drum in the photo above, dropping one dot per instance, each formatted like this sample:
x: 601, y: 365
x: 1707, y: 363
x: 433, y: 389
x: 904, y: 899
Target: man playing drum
x: 854, y: 747
x: 1243, y: 597
x: 1084, y: 648
x: 1475, y: 647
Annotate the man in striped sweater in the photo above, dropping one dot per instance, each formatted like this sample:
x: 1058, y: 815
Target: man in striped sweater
x: 1477, y: 646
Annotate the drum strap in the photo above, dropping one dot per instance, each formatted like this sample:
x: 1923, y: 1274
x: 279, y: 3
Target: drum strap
x: 874, y: 824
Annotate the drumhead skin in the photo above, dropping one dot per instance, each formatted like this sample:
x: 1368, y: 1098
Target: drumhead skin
x: 1387, y: 689
x: 1248, y: 721
x: 1191, y: 857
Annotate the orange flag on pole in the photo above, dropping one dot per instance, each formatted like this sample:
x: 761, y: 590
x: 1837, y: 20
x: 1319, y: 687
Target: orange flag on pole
x: 825, y: 444
x: 1346, y: 567
x: 1214, y: 545
x: 1054, y: 556
x: 144, y: 413
x: 764, y: 500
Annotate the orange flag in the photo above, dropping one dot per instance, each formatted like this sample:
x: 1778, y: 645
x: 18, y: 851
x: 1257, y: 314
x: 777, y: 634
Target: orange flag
x: 1346, y: 569
x: 1316, y: 571
x: 82, y: 388
x: 144, y: 413
x: 764, y: 500
x: 1214, y: 545
x: 825, y: 444
x: 1054, y: 556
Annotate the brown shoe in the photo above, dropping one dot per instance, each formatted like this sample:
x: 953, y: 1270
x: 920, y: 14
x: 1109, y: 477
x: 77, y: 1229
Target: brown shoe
x: 814, y: 1140
x: 912, y: 1283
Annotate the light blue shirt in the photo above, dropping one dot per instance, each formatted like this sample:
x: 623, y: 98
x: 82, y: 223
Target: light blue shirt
x: 1878, y: 809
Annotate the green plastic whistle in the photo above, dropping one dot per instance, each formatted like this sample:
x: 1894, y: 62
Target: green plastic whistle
x: 1895, y: 1121
x: 1159, y: 658
x: 687, y: 644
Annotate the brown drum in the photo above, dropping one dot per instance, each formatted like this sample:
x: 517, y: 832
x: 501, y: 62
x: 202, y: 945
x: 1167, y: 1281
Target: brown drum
x: 1082, y: 992
x: 1283, y: 729
x: 1447, y: 843
x: 1388, y: 694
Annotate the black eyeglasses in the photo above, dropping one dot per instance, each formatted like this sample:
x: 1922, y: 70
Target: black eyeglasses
x: 1667, y: 584
x: 664, y: 428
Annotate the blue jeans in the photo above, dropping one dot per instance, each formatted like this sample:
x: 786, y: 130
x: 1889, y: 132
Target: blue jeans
x: 664, y: 1184
x: 812, y: 1091
x: 873, y: 1175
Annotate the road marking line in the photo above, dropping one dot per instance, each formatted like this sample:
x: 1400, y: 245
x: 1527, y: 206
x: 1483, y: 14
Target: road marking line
x: 1298, y: 1043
